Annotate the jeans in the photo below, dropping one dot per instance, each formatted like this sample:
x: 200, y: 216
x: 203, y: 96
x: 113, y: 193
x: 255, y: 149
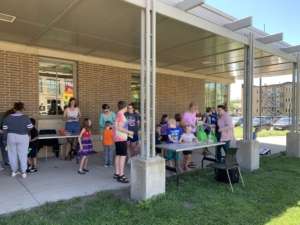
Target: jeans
x: 219, y: 150
x: 108, y: 155
x: 17, y: 151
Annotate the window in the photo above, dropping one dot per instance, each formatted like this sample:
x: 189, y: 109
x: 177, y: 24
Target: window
x: 56, y: 85
x: 135, y: 88
x: 216, y: 94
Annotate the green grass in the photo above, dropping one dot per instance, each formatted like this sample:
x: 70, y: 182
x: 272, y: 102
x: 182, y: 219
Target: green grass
x: 238, y: 132
x: 271, y: 197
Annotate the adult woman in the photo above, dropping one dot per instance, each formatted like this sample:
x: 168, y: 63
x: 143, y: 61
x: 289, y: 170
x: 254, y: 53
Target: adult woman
x: 72, y: 126
x: 189, y: 118
x: 121, y: 135
x: 106, y: 116
x: 17, y: 126
x: 226, y: 130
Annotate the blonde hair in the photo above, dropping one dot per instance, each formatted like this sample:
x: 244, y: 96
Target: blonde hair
x: 172, y: 121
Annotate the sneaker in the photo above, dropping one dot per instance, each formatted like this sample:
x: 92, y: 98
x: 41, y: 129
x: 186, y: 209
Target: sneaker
x: 105, y: 165
x: 24, y: 175
x: 1, y: 168
x: 13, y: 174
x: 81, y: 172
x: 33, y: 170
x: 86, y: 170
x: 129, y: 161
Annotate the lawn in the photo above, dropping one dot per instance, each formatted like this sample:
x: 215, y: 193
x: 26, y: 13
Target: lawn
x: 238, y: 132
x: 271, y: 197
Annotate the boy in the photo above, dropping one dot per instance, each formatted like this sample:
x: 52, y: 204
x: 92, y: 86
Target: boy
x: 133, y: 125
x: 108, y: 142
x: 174, y: 135
x: 33, y: 149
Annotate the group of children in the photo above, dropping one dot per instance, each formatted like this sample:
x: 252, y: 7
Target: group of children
x: 173, y: 130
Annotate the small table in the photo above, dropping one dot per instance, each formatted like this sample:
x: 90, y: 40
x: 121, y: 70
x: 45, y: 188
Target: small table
x: 53, y: 136
x: 184, y: 147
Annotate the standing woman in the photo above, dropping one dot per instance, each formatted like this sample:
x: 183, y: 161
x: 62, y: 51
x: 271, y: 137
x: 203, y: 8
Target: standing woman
x: 226, y: 130
x: 106, y: 116
x: 72, y: 116
x: 17, y: 126
x: 121, y: 135
x: 189, y: 118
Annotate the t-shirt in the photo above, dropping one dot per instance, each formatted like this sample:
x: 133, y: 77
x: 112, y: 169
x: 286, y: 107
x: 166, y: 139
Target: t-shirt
x: 108, y: 136
x: 188, y: 138
x: 190, y: 118
x: 175, y: 133
x: 17, y: 123
x: 121, y: 121
x: 133, y: 119
x: 163, y: 128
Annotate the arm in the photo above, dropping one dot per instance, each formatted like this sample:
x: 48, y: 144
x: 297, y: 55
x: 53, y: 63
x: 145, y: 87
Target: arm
x: 101, y: 122
x: 80, y: 136
x: 65, y: 114
x: 228, y: 124
x: 170, y: 138
x: 181, y: 139
x: 79, y: 113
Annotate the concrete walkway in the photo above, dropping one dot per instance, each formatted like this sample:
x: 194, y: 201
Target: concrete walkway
x: 56, y: 180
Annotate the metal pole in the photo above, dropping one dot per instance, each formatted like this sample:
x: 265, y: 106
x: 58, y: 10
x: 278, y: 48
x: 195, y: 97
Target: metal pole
x: 148, y: 80
x: 143, y: 142
x: 153, y: 97
x: 248, y: 85
x: 297, y: 76
x: 260, y: 99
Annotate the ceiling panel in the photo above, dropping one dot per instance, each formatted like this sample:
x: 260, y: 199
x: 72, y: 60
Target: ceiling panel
x: 37, y: 11
x: 18, y: 31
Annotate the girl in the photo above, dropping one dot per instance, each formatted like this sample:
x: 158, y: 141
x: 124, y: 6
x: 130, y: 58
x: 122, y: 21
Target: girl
x: 121, y: 135
x: 86, y: 145
x: 187, y: 137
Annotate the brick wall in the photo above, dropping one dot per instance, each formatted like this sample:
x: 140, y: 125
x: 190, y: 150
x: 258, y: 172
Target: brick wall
x: 174, y: 94
x: 19, y: 81
x: 96, y: 84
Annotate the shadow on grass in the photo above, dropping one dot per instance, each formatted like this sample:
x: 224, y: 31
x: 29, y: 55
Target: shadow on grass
x: 269, y: 193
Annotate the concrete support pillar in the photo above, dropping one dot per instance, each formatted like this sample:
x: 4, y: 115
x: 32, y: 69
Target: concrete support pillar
x: 293, y: 137
x: 248, y: 154
x: 148, y: 171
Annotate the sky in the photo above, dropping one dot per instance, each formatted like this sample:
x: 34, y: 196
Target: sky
x: 273, y: 16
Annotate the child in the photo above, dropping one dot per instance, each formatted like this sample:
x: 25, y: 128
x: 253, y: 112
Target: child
x: 86, y: 145
x: 187, y: 137
x: 133, y: 119
x: 108, y: 142
x: 164, y: 127
x: 33, y: 149
x: 174, y: 134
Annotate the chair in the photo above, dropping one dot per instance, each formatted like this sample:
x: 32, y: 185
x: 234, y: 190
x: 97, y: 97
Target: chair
x: 229, y: 163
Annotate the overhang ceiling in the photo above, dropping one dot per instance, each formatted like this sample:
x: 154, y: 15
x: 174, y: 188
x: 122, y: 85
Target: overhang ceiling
x: 111, y: 29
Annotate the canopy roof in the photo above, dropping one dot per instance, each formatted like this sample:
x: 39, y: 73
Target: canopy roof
x: 193, y: 43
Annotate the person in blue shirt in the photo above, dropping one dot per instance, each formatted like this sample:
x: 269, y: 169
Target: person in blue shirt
x: 174, y: 134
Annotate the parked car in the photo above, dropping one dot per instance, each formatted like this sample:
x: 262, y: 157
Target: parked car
x: 264, y: 121
x: 283, y: 123
x: 237, y: 121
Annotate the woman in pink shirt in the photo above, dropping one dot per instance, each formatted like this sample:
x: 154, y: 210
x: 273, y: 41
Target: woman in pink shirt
x: 226, y: 129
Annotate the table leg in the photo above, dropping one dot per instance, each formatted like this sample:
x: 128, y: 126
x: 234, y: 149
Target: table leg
x: 177, y: 169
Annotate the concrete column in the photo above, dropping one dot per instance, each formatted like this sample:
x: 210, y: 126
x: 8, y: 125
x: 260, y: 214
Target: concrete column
x: 248, y: 154
x: 293, y: 137
x: 147, y: 171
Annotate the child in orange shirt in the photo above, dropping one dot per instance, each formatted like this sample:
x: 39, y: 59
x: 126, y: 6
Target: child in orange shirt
x: 108, y: 143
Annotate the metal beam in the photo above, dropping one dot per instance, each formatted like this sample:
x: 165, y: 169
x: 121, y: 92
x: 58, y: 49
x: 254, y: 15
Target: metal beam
x: 247, y: 89
x: 271, y: 38
x: 292, y: 49
x: 189, y: 4
x: 239, y: 24
x: 191, y: 19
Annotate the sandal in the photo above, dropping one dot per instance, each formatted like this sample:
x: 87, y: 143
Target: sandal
x: 123, y: 179
x: 116, y: 176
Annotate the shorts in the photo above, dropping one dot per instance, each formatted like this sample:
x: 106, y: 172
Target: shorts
x: 121, y: 148
x: 73, y: 127
x: 187, y: 152
x: 32, y: 153
x: 135, y: 138
x: 171, y: 155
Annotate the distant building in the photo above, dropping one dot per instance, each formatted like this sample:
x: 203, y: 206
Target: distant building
x: 276, y: 100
